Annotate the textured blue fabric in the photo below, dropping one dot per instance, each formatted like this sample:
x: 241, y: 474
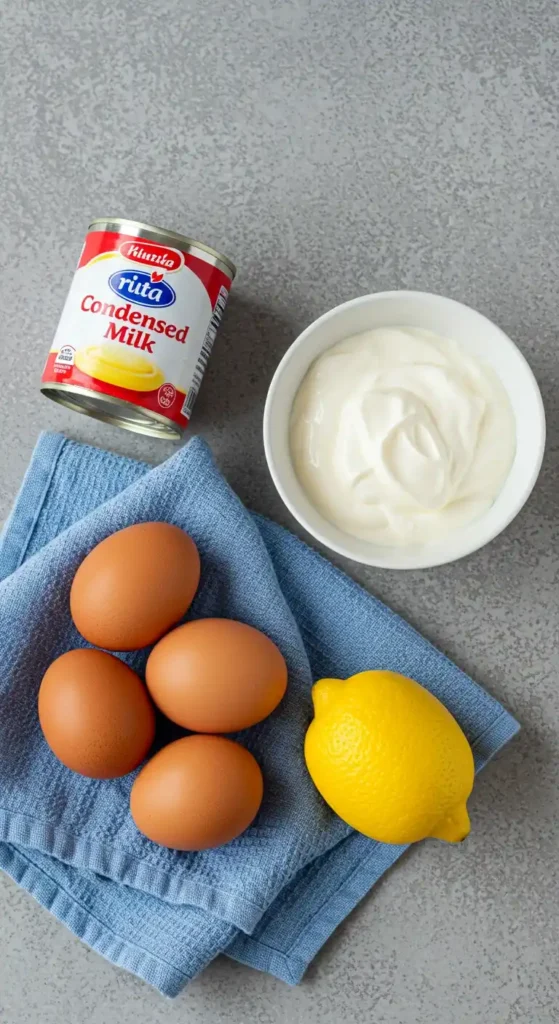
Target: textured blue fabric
x: 272, y: 897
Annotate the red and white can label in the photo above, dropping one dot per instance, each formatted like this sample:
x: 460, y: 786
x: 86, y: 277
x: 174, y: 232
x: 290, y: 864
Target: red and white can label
x: 139, y: 324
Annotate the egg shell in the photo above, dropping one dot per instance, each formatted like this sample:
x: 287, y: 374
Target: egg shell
x: 96, y: 714
x: 197, y: 793
x: 216, y: 675
x: 135, y: 585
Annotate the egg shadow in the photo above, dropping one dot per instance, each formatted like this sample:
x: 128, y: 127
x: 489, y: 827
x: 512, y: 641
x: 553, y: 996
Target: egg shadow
x: 166, y: 732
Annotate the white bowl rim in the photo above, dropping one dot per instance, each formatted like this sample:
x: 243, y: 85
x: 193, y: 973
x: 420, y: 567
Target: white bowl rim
x: 378, y: 560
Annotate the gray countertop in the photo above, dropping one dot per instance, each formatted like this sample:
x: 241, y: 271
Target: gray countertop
x: 331, y: 150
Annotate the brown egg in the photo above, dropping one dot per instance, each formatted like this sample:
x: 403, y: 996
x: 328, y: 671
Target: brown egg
x: 95, y: 714
x: 216, y: 675
x: 199, y: 792
x: 135, y: 585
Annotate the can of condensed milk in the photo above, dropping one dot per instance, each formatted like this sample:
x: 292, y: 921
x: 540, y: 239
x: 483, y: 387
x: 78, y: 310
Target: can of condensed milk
x: 138, y: 327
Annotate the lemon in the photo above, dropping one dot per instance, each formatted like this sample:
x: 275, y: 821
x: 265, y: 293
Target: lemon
x: 389, y: 758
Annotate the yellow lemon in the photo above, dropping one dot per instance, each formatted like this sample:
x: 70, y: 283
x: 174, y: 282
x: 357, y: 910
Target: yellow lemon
x: 389, y: 758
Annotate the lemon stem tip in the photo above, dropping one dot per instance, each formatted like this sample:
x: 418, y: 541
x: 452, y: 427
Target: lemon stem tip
x: 325, y: 693
x: 454, y: 828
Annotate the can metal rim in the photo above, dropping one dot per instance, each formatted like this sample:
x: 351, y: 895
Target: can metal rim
x: 157, y: 234
x: 91, y: 405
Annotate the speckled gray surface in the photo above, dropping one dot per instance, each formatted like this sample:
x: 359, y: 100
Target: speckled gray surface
x: 330, y: 150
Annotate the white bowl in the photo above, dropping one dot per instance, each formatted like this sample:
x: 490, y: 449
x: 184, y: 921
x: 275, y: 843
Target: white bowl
x: 480, y: 338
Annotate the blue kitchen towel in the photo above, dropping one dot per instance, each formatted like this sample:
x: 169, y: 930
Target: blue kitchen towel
x: 273, y: 896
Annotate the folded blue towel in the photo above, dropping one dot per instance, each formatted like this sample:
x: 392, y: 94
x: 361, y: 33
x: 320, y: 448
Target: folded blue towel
x: 273, y: 896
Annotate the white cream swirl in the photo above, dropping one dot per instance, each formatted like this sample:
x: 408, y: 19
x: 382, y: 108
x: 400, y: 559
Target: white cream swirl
x: 398, y: 437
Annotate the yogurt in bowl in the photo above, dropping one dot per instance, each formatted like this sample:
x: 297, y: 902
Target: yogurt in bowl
x: 404, y: 430
x: 398, y: 436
